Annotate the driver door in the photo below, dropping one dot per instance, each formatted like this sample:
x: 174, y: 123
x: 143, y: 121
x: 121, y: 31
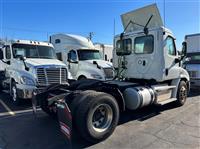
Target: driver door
x: 170, y: 56
x: 73, y: 63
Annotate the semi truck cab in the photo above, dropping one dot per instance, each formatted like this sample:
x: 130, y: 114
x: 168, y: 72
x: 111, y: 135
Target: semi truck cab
x: 149, y: 71
x: 28, y: 67
x: 81, y: 57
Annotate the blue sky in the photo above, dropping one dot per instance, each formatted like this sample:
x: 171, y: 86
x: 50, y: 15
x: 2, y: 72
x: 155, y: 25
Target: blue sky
x: 36, y: 19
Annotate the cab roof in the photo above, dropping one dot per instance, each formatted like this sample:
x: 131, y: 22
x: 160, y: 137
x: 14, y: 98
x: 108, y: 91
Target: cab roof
x: 139, y: 32
x: 30, y: 42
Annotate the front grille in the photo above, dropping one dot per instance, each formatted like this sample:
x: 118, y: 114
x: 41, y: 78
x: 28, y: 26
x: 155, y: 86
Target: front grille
x: 47, y: 76
x: 109, y: 73
x: 193, y: 74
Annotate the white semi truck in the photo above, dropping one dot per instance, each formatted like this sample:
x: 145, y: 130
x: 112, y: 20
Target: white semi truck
x: 29, y: 66
x: 81, y: 57
x: 149, y: 72
x: 193, y: 59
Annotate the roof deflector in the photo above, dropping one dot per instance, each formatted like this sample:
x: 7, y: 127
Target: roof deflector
x: 139, y: 18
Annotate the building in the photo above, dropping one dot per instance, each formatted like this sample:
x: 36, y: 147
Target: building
x: 107, y: 50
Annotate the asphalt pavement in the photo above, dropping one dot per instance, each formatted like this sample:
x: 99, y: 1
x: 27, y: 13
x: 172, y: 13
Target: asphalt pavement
x: 151, y: 127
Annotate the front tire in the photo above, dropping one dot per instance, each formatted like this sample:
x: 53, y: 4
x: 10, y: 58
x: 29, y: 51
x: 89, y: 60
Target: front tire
x: 82, y: 78
x: 97, y: 116
x: 14, y: 94
x: 182, y: 93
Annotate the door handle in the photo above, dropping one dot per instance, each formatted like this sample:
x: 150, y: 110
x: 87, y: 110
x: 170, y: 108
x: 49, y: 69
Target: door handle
x: 144, y: 63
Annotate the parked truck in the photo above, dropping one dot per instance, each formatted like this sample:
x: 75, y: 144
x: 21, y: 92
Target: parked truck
x: 29, y: 66
x: 81, y: 57
x: 192, y: 63
x: 149, y: 72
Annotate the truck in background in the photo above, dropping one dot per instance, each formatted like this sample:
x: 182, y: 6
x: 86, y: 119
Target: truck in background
x: 192, y: 63
x: 149, y: 72
x: 29, y: 66
x: 82, y: 58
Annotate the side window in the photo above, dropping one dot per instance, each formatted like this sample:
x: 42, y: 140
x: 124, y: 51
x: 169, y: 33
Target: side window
x: 170, y: 46
x: 144, y: 44
x: 8, y: 52
x: 57, y: 41
x: 59, y: 56
x: 73, y: 55
x: 124, y: 47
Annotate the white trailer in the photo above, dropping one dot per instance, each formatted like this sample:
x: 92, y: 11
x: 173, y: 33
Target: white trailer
x: 28, y: 67
x: 193, y: 62
x: 82, y: 58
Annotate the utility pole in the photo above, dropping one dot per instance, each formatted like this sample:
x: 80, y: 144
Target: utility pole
x: 91, y: 34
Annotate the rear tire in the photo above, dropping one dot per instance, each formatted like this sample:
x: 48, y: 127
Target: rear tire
x: 182, y: 93
x: 97, y: 116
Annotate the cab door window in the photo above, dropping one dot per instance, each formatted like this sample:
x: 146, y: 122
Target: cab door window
x: 8, y: 52
x: 170, y: 46
x: 73, y: 55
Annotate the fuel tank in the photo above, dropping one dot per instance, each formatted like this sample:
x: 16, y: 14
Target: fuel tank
x: 137, y: 97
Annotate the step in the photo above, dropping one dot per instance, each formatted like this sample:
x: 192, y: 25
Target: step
x: 162, y: 88
x: 166, y: 101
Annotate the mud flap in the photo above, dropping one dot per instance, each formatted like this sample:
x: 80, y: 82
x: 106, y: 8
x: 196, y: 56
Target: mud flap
x: 65, y: 120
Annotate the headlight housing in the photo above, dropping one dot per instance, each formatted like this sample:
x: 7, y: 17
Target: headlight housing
x: 27, y: 81
x: 96, y: 76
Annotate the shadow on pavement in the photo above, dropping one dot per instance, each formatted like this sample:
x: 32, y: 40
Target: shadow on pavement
x: 26, y: 131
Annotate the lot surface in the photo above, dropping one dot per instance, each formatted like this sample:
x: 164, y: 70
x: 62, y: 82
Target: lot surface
x: 151, y: 127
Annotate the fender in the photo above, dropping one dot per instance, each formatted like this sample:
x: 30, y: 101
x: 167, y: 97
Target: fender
x: 183, y: 76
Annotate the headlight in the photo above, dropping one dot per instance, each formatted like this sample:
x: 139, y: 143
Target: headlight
x: 27, y: 81
x: 96, y: 76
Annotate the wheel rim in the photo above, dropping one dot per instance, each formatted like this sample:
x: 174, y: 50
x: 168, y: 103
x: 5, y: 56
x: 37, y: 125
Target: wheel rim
x: 183, y: 93
x: 101, y: 118
x: 14, y: 93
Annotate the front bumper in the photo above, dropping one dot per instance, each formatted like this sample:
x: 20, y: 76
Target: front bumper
x: 25, y: 91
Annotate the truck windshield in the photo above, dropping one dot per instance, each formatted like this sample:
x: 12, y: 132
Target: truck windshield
x: 194, y: 58
x: 89, y: 54
x: 33, y: 51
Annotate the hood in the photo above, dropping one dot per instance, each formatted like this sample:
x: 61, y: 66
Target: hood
x: 141, y: 16
x: 101, y: 63
x: 43, y: 62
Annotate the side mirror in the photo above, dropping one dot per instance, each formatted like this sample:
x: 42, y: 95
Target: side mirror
x: 177, y: 60
x: 1, y: 54
x: 184, y: 50
x: 119, y: 51
x: 21, y: 57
